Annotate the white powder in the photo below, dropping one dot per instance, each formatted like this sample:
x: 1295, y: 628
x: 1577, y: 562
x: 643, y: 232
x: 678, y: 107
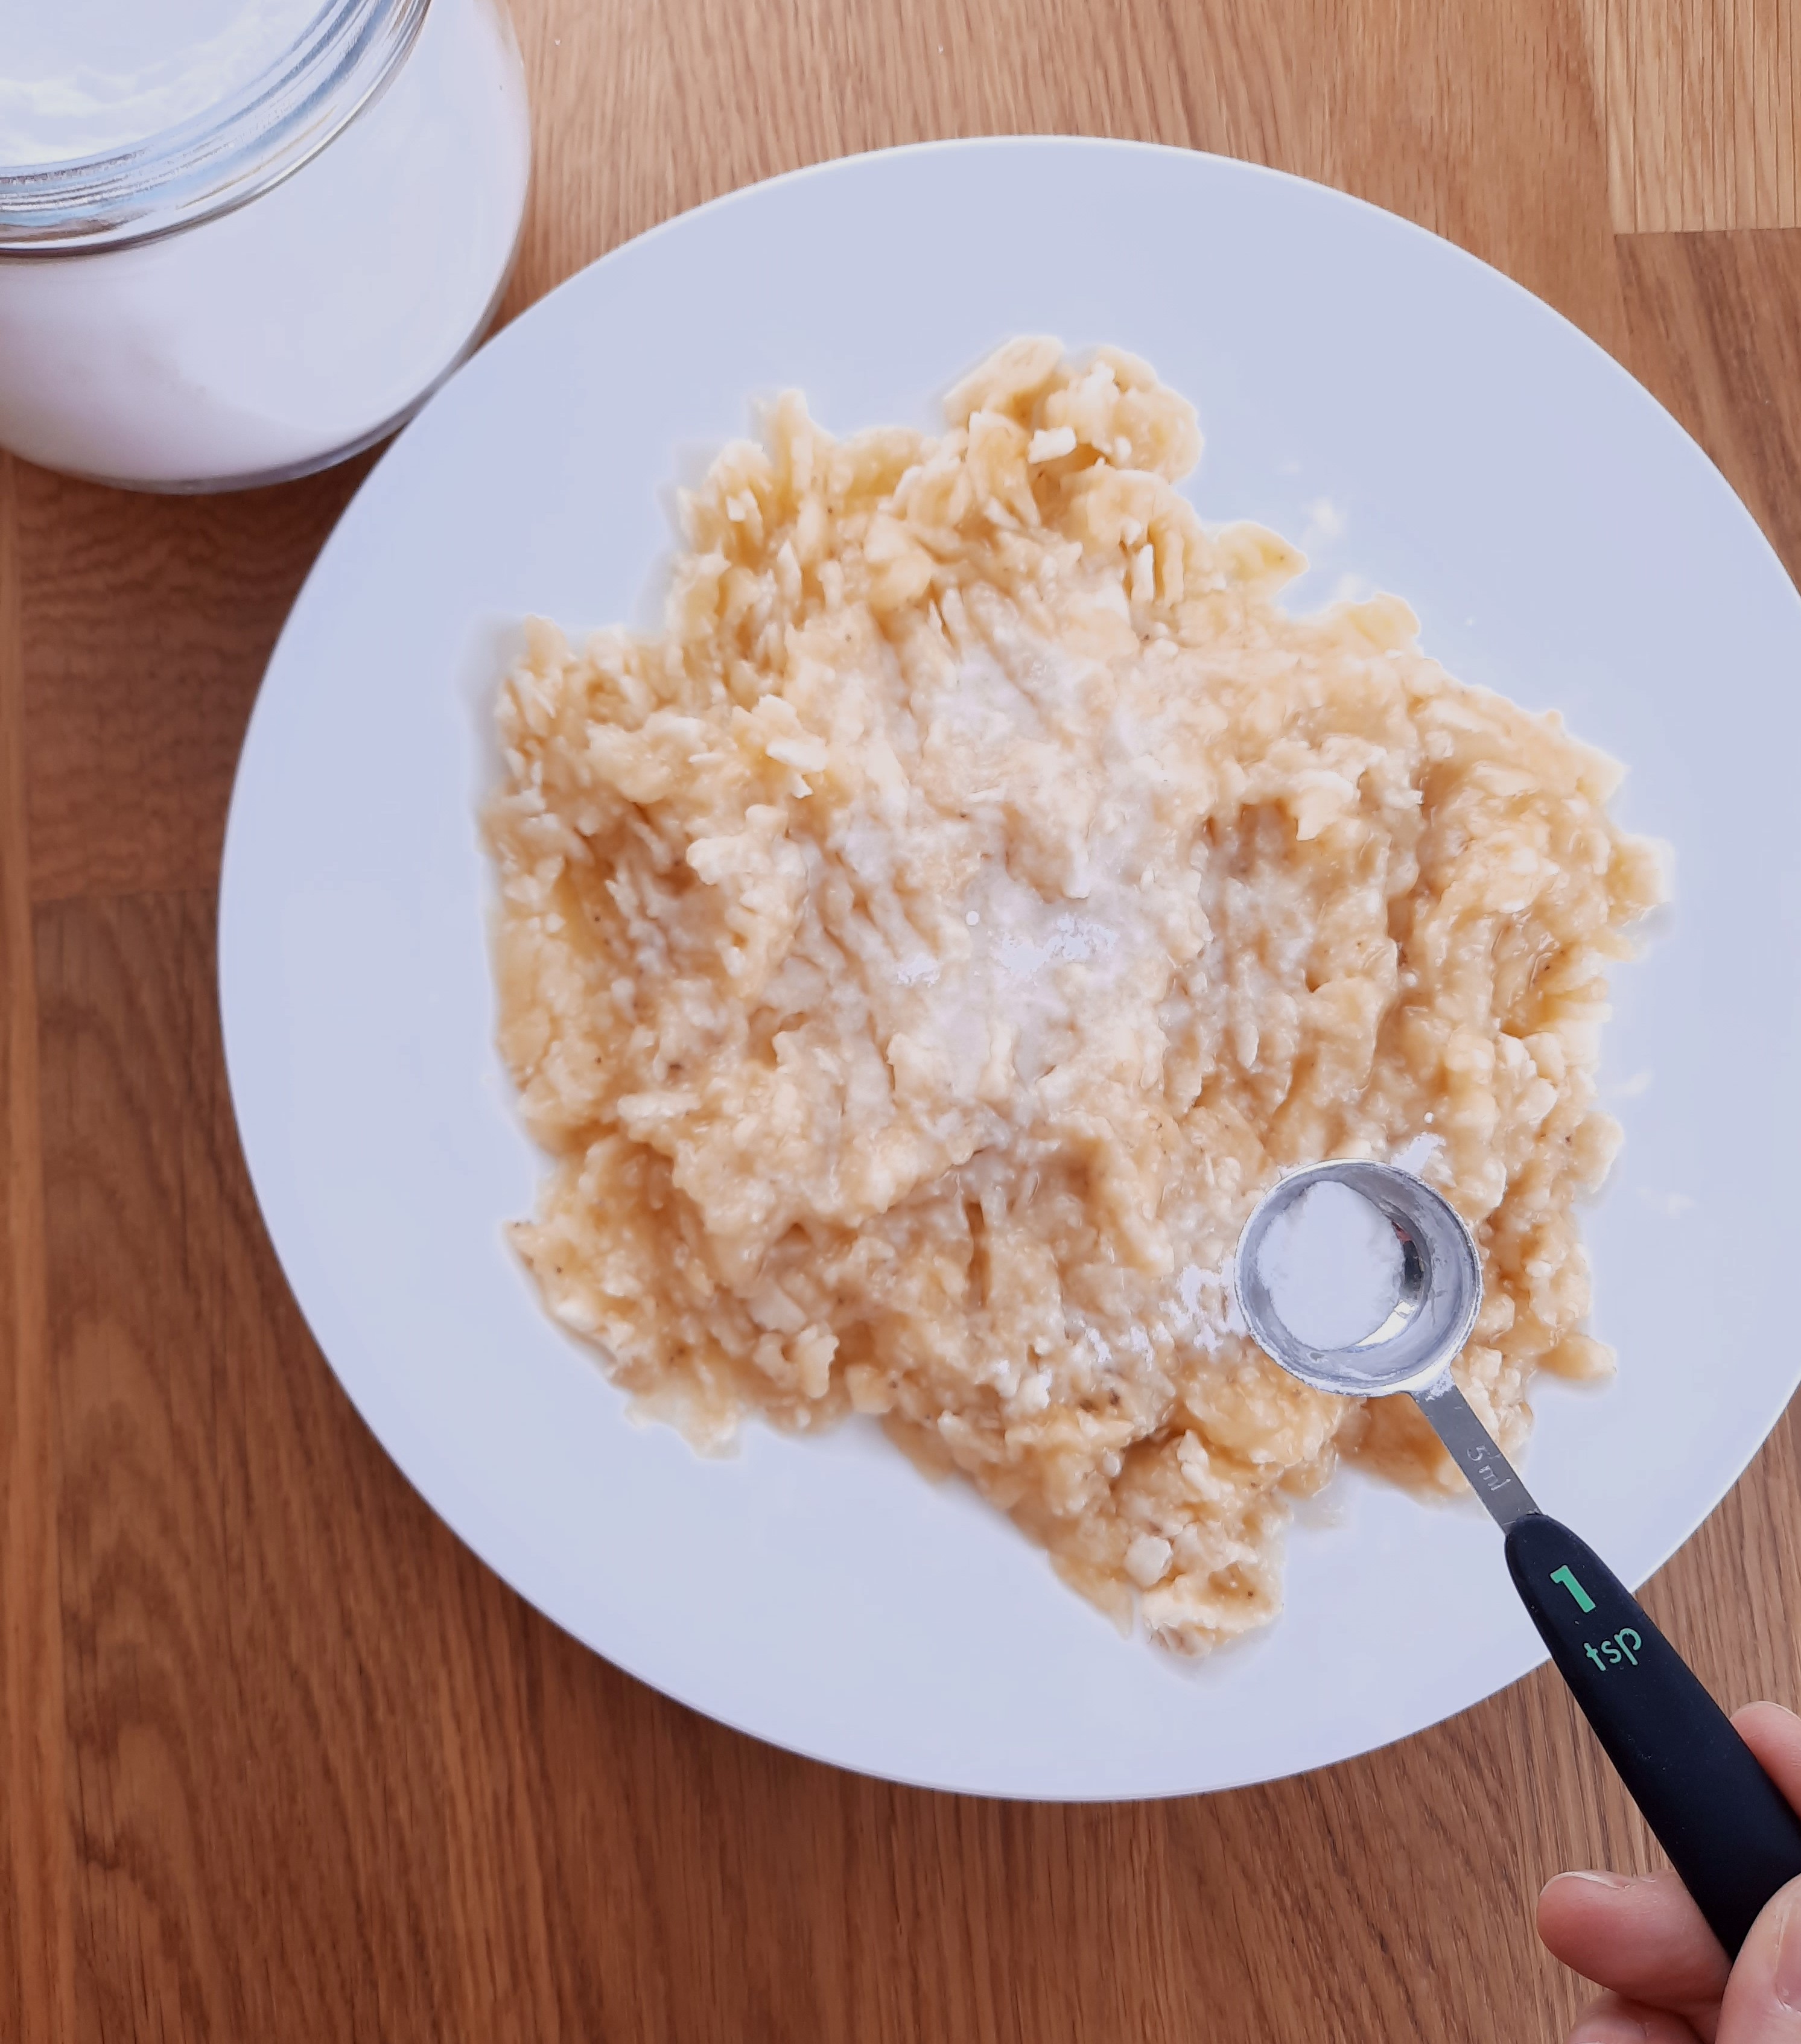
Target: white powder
x: 1044, y: 955
x: 86, y: 77
x: 1333, y: 1266
x: 277, y: 337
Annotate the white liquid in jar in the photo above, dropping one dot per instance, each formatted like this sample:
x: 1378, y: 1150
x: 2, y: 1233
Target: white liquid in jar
x: 1333, y: 1266
x: 305, y: 323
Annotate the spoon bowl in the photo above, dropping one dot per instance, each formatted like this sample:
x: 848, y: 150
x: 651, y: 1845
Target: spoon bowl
x: 1441, y: 1285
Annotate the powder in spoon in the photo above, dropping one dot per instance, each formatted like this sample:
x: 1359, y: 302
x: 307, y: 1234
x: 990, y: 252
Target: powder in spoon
x: 1333, y: 1266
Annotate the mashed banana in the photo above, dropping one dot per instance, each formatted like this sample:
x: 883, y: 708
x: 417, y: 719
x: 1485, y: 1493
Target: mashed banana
x: 919, y: 957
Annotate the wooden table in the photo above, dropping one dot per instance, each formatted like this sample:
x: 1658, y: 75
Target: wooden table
x: 281, y: 1760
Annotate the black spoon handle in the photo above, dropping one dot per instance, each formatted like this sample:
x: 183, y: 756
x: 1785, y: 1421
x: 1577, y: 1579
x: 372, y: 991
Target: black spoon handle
x: 1727, y: 1829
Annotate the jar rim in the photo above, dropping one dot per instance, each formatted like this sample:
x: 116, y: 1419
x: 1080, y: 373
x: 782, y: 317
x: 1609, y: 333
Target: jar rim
x: 219, y: 160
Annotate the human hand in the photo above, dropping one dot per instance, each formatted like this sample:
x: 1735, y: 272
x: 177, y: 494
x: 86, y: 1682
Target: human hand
x: 1643, y: 1939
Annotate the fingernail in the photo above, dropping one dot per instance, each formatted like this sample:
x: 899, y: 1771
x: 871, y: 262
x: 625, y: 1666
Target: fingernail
x: 1600, y: 1880
x: 1787, y: 1982
x: 1610, y: 2027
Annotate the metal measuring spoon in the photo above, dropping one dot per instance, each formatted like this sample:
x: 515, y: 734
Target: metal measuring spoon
x: 1728, y: 1831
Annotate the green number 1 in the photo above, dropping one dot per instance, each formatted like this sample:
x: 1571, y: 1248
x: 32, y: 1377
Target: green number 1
x: 1584, y: 1601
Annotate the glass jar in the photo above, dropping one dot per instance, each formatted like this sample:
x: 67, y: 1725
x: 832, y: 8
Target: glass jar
x: 263, y: 284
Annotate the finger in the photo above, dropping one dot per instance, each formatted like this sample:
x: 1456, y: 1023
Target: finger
x: 1774, y: 1735
x: 1641, y: 1936
x: 1762, y: 2004
x: 1611, y: 2021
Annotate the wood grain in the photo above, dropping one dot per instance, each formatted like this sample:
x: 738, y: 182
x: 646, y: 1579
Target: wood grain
x: 1478, y: 122
x: 1701, y: 105
x: 1715, y: 321
x: 145, y: 623
x: 36, y: 1960
x: 283, y: 1760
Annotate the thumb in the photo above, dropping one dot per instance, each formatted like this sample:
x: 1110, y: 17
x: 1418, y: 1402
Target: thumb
x: 1762, y: 2004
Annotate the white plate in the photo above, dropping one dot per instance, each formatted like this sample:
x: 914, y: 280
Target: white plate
x: 1420, y: 424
